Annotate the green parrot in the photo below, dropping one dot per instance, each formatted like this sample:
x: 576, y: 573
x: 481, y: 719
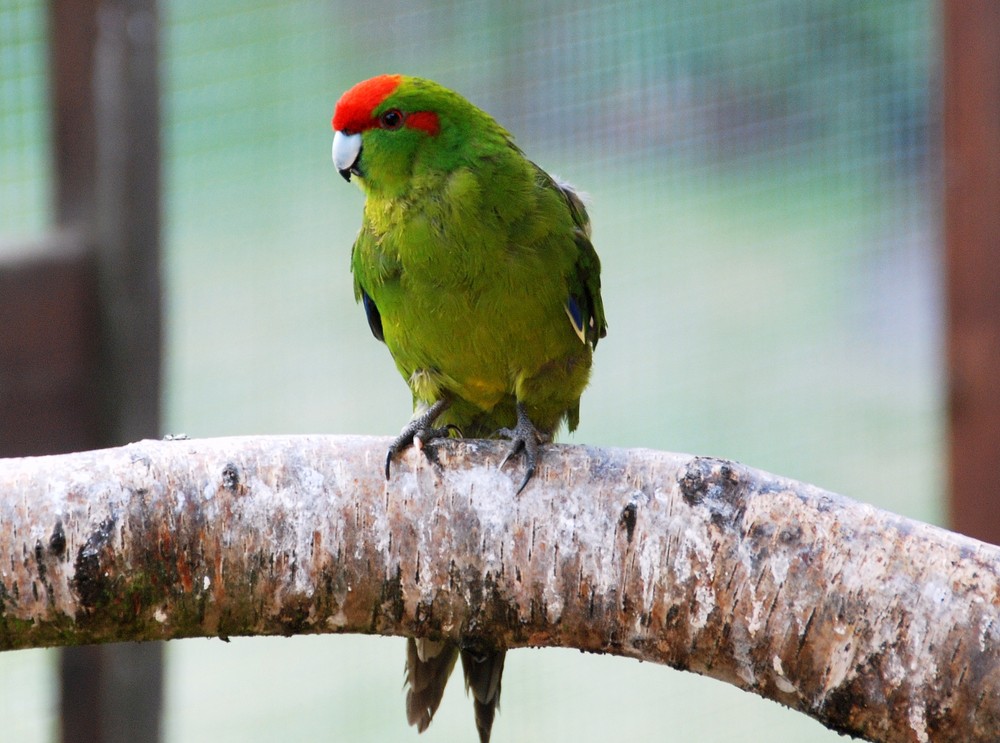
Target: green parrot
x: 475, y: 268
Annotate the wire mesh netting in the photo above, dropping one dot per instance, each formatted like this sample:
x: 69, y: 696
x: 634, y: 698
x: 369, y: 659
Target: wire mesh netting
x: 24, y: 176
x: 763, y: 186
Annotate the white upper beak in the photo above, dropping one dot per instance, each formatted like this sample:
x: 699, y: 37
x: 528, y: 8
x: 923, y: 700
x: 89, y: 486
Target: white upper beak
x: 346, y: 148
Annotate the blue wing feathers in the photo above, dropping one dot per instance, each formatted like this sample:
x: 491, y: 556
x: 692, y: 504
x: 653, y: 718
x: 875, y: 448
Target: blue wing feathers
x: 575, y: 315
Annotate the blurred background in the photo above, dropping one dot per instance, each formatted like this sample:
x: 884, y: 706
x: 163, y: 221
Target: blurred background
x: 764, y: 184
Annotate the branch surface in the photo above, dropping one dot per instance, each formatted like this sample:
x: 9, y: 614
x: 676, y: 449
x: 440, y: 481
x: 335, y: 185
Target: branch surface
x: 876, y: 625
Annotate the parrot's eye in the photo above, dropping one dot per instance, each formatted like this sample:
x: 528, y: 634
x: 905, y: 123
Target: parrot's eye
x: 391, y: 119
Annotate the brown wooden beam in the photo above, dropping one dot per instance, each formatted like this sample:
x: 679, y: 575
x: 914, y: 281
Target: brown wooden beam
x: 971, y: 30
x: 48, y: 349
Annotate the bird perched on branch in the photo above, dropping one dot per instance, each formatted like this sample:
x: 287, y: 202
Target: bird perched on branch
x: 475, y: 268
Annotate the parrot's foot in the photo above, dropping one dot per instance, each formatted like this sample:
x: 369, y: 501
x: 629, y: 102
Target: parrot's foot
x: 419, y: 431
x: 523, y: 437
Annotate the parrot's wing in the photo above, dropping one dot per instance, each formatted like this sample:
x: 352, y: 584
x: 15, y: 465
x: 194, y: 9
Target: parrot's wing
x: 360, y: 293
x: 584, y: 305
x: 374, y: 318
x: 588, y: 288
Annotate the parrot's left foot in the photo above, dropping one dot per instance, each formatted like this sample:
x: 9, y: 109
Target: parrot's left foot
x: 420, y: 429
x: 523, y: 437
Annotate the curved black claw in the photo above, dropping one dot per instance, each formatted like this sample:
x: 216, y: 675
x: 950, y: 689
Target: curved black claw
x: 523, y: 437
x: 419, y: 429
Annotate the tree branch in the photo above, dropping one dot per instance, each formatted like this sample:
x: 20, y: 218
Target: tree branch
x: 875, y: 625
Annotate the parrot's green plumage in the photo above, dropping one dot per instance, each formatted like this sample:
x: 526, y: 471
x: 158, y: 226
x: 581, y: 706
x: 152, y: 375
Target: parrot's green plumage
x: 476, y: 269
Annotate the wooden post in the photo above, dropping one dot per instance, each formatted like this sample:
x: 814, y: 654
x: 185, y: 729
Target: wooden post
x: 105, y: 93
x: 971, y: 29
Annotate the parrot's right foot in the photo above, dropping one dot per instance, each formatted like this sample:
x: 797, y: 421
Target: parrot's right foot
x: 523, y: 437
x: 421, y: 430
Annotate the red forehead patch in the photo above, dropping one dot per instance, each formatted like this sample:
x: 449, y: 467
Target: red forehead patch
x: 354, y: 109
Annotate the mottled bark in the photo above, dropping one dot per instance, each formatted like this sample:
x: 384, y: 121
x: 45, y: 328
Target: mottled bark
x: 876, y: 625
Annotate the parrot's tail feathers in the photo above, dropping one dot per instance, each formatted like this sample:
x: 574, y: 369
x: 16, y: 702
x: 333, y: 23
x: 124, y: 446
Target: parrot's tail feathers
x: 428, y: 666
x: 483, y: 672
x: 484, y: 720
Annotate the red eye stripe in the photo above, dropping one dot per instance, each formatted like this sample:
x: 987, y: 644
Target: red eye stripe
x: 426, y: 120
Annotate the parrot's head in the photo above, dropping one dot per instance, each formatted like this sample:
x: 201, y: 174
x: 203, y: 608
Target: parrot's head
x: 393, y: 128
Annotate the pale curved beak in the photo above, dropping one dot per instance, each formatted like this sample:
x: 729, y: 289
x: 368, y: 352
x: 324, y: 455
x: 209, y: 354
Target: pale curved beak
x: 346, y: 154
